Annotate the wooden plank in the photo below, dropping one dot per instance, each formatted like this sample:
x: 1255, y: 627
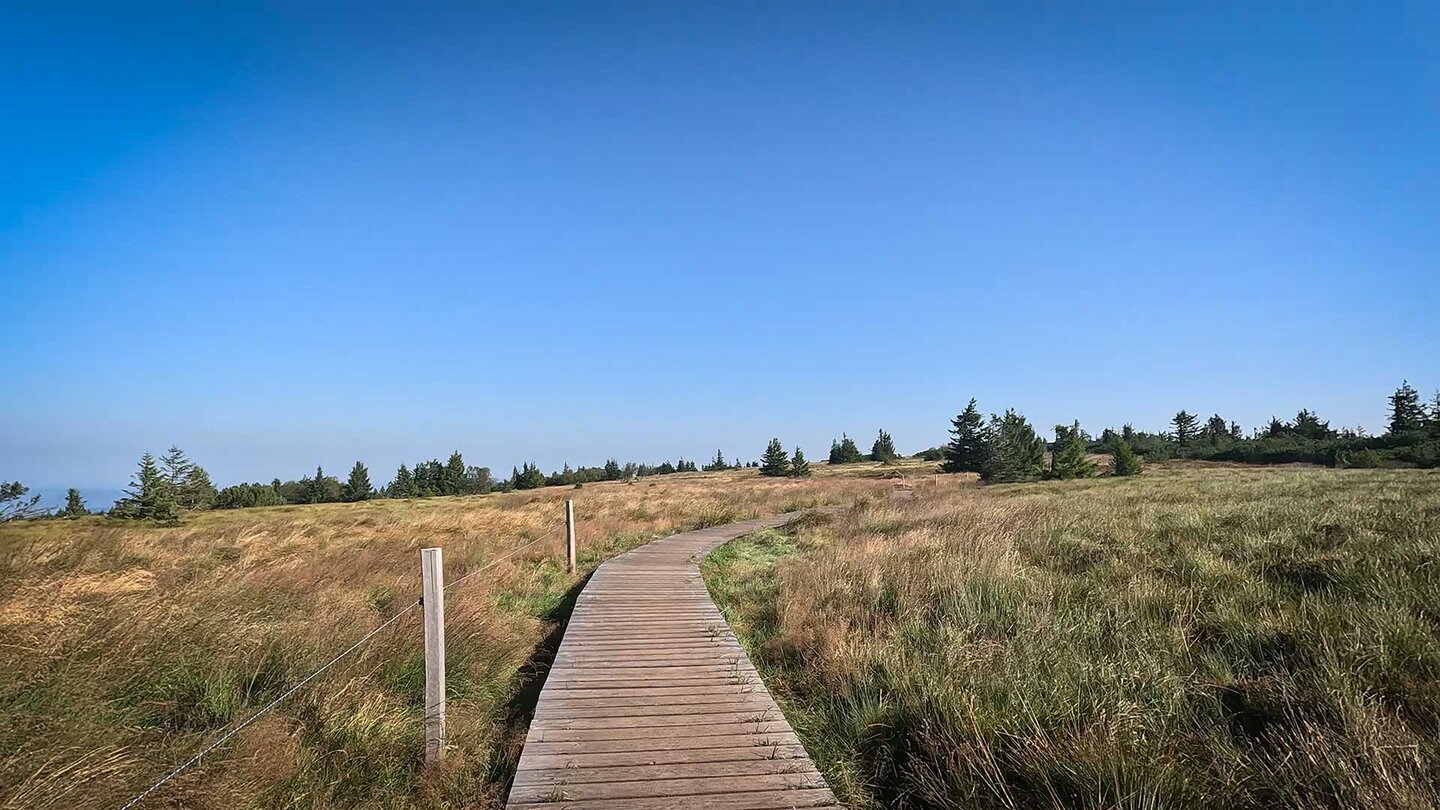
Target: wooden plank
x: 651, y: 703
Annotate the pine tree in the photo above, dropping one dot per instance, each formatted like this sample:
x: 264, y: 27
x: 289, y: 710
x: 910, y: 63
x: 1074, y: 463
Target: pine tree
x: 404, y: 484
x: 776, y: 463
x: 884, y: 448
x: 1406, y: 413
x: 1186, y: 426
x: 799, y: 467
x: 1016, y: 453
x: 1310, y: 426
x: 74, y: 505
x: 717, y: 464
x: 612, y: 470
x: 149, y: 496
x: 1071, y: 458
x: 969, y: 443
x: 844, y: 451
x: 1123, y: 460
x: 357, y: 487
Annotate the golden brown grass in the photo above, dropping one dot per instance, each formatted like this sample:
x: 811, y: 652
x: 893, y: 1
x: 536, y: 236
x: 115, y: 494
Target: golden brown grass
x: 1197, y: 637
x: 124, y: 648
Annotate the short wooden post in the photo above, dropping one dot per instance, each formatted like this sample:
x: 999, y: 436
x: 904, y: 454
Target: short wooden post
x: 570, y: 533
x: 432, y: 580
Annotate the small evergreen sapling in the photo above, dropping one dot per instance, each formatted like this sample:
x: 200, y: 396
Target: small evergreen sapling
x: 883, y: 449
x: 799, y: 467
x: 1123, y: 460
x: 775, y: 462
x: 1071, y: 458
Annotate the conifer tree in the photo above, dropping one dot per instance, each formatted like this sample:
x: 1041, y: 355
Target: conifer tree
x: 175, y: 465
x: 74, y: 505
x: 1016, y: 453
x: 1406, y: 413
x: 844, y: 451
x: 529, y: 477
x: 1186, y: 426
x: 969, y: 442
x: 799, y: 467
x: 315, y: 487
x: 1123, y: 460
x: 884, y: 448
x: 1216, y: 432
x: 452, y: 482
x: 718, y: 463
x: 357, y: 487
x: 149, y: 496
x: 1434, y: 418
x: 404, y: 484
x: 1071, y: 458
x: 612, y: 470
x: 196, y: 491
x: 775, y: 462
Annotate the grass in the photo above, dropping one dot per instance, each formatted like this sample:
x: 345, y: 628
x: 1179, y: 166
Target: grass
x: 1202, y: 636
x: 125, y: 648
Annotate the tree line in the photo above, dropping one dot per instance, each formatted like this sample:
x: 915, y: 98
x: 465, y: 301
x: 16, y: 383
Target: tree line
x: 1003, y: 448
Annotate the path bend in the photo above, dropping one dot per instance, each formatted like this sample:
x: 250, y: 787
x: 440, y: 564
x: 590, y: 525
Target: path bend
x: 652, y: 704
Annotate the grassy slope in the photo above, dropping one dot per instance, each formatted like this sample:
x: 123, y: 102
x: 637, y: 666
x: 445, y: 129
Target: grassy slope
x: 1197, y: 637
x: 124, y: 648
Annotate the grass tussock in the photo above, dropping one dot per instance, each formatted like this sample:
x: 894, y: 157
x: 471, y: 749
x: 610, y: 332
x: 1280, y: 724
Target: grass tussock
x: 1197, y: 637
x: 124, y: 648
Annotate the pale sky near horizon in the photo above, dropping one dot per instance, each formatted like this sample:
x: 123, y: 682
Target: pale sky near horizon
x: 560, y: 232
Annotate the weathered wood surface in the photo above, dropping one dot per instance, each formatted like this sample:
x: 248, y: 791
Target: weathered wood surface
x: 651, y: 702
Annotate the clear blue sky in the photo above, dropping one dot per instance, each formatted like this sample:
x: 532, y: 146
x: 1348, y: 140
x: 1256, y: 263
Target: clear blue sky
x: 561, y: 232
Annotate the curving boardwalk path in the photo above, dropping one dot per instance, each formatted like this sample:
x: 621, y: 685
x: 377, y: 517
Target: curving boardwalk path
x: 651, y: 702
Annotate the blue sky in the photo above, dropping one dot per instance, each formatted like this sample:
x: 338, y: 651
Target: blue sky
x: 283, y: 236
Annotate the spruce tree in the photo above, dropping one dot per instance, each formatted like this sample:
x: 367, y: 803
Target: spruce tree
x: 969, y: 443
x: 884, y: 448
x: 315, y: 487
x: 175, y: 465
x: 1186, y: 427
x: 799, y: 467
x: 1406, y: 413
x: 529, y: 477
x: 718, y: 463
x: 1123, y: 460
x: 453, y: 480
x: 196, y: 491
x: 1016, y: 453
x: 404, y: 484
x: 357, y: 487
x: 1071, y: 458
x: 74, y: 505
x: 1216, y: 432
x: 775, y: 462
x: 149, y: 496
x: 1434, y: 417
x: 844, y: 451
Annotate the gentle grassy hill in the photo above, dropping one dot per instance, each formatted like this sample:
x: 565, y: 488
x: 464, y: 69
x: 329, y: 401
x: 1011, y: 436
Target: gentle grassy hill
x: 124, y: 648
x: 1201, y: 636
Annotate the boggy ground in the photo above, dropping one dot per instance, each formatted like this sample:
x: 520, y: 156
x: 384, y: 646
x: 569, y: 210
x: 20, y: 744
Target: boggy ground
x: 1200, y: 636
x: 124, y: 648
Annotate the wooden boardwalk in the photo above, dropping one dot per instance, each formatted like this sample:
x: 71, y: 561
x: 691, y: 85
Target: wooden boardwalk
x: 651, y: 702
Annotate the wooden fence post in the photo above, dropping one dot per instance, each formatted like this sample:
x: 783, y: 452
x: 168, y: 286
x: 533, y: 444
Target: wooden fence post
x: 570, y: 533
x: 432, y: 580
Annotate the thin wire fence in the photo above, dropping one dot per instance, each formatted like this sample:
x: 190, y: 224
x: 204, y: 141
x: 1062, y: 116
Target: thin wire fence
x: 321, y: 670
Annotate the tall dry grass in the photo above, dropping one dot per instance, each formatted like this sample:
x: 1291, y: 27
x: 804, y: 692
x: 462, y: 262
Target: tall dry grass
x: 124, y: 648
x: 1197, y: 637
